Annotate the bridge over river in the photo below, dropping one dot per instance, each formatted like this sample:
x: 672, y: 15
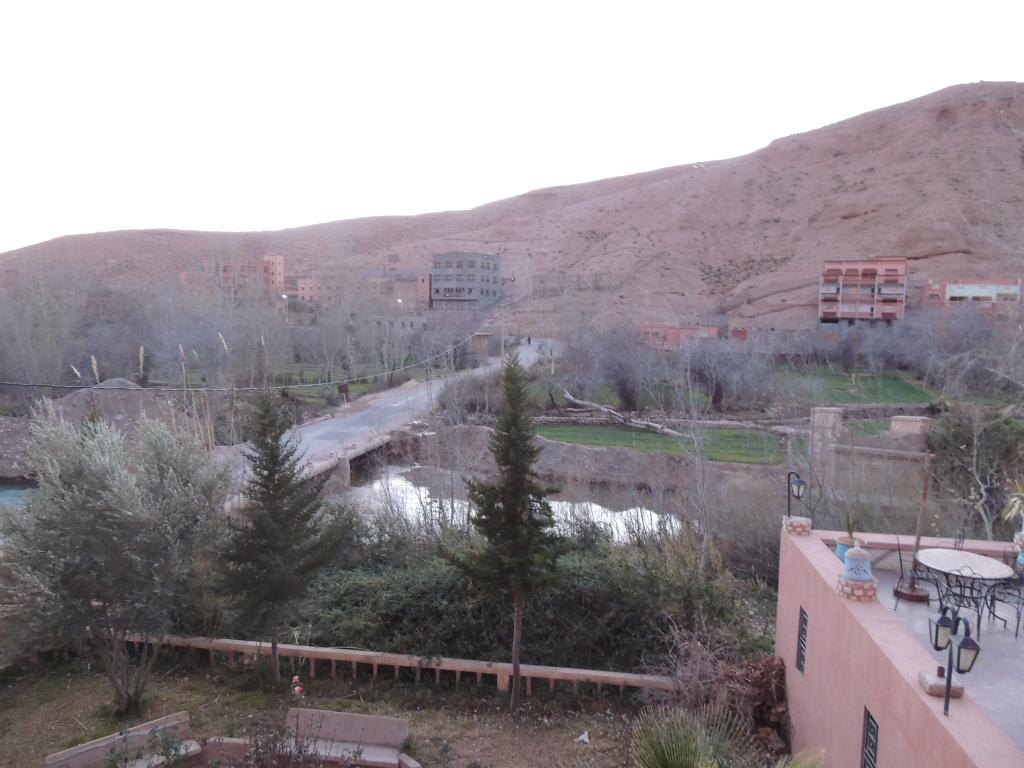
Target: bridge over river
x: 331, y: 442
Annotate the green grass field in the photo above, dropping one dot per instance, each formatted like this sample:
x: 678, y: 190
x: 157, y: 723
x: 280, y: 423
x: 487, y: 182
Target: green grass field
x: 867, y: 427
x: 822, y: 386
x: 738, y: 445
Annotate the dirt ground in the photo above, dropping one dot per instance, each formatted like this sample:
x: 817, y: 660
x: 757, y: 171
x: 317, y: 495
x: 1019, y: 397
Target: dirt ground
x: 44, y: 710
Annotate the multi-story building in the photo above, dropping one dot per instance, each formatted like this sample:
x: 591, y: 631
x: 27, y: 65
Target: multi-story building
x: 870, y: 290
x: 465, y: 281
x: 409, y: 290
x: 997, y: 300
x: 324, y: 289
x: 236, y: 279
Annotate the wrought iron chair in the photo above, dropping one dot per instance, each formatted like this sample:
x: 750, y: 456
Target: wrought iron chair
x: 913, y: 573
x: 965, y: 589
x: 1011, y: 593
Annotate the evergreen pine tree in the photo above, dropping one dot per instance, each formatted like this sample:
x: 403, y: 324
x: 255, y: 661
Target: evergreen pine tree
x: 271, y: 559
x: 512, y: 514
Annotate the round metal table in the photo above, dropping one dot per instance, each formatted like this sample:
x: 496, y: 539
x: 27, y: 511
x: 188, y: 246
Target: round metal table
x: 970, y: 579
x: 964, y: 564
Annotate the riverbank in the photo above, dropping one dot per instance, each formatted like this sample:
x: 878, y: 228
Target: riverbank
x: 466, y: 449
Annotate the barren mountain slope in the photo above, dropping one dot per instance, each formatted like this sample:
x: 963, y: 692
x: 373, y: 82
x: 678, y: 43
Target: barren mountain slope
x: 939, y: 180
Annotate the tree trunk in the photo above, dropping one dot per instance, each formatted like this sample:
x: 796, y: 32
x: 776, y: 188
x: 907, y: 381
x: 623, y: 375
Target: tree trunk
x: 517, y: 641
x: 275, y: 665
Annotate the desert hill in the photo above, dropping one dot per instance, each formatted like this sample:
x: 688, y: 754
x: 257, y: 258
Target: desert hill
x: 939, y: 179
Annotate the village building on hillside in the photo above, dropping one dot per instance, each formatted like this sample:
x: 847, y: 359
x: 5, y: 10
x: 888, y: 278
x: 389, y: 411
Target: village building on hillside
x: 320, y: 288
x: 669, y: 337
x: 869, y: 290
x: 410, y: 291
x: 996, y: 300
x: 238, y: 279
x: 465, y: 281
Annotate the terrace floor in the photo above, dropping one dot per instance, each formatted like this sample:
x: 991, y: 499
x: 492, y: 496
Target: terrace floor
x: 997, y: 681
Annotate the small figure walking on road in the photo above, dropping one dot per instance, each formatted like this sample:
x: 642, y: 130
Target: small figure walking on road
x: 529, y: 341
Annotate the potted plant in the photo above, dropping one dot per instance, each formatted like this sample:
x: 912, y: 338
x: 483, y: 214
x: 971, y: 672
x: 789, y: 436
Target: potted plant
x: 847, y: 542
x: 1015, y: 509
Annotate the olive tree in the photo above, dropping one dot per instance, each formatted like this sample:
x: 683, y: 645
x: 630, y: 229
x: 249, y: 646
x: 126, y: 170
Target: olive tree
x: 105, y: 548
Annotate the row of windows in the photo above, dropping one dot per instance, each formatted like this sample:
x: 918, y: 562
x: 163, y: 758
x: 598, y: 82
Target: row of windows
x: 466, y: 279
x: 460, y: 264
x: 462, y: 292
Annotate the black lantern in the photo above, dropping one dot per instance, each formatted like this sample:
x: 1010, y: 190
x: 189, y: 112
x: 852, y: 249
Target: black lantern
x: 940, y: 630
x: 963, y: 649
x: 966, y: 651
x: 795, y: 488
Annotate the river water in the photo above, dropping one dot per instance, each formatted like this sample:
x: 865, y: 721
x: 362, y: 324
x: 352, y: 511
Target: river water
x: 15, y: 495
x: 430, y: 497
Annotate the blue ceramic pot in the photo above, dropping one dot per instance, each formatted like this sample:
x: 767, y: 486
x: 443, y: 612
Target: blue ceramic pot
x: 842, y: 549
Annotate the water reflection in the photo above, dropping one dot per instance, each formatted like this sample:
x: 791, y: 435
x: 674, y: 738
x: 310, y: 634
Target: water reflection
x: 435, y: 498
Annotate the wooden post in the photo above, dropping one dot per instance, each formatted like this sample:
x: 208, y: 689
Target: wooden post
x: 458, y: 674
x: 551, y: 685
x: 396, y: 671
x: 213, y: 658
x: 437, y: 676
x: 529, y: 686
x: 419, y: 670
x: 355, y: 670
x: 334, y: 670
x: 479, y: 678
x: 504, y: 680
x: 312, y: 668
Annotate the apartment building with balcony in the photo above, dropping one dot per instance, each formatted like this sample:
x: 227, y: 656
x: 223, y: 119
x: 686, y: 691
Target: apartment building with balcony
x: 465, y: 281
x: 870, y: 290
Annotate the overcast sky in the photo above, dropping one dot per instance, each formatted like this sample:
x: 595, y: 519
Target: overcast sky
x: 247, y: 115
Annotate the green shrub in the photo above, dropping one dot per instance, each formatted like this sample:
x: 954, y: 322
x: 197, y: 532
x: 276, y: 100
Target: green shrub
x: 610, y: 609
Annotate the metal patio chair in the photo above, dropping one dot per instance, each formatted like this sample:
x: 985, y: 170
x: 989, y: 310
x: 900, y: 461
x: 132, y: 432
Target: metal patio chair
x: 913, y: 573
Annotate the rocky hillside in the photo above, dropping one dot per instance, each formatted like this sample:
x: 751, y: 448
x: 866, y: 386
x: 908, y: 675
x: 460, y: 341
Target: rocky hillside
x: 939, y: 179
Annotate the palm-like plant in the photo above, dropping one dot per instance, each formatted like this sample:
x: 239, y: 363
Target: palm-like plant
x: 705, y: 738
x: 1015, y: 504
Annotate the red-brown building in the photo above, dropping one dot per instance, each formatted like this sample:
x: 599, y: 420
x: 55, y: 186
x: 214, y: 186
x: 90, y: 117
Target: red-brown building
x: 236, y: 279
x: 323, y: 289
x: 995, y: 299
x: 668, y: 337
x: 869, y: 290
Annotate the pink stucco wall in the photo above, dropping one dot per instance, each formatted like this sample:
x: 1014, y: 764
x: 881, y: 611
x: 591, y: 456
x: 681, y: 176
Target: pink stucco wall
x: 860, y: 655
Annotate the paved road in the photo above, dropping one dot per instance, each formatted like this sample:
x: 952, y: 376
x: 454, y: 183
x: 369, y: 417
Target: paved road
x: 354, y: 428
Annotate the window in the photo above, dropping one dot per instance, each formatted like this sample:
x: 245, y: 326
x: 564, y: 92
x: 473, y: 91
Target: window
x: 869, y: 746
x: 458, y: 265
x: 447, y: 265
x: 801, y: 642
x: 471, y: 265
